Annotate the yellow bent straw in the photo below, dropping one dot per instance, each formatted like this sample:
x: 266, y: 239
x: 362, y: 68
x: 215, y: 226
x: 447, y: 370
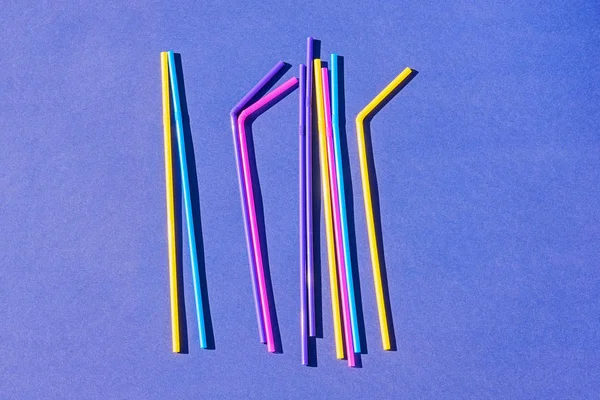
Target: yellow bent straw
x: 164, y: 64
x: 335, y: 302
x: 366, y: 185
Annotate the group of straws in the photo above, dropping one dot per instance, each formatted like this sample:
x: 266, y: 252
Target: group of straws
x: 320, y: 87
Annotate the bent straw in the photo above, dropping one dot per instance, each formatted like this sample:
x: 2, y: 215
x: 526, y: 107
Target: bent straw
x: 335, y: 118
x: 185, y: 184
x: 164, y: 65
x: 338, y: 227
x: 262, y: 286
x: 366, y: 185
x: 309, y: 214
x: 234, y: 128
x: 302, y: 201
x: 335, y: 303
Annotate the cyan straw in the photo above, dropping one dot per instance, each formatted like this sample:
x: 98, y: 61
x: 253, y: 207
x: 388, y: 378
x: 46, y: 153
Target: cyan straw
x: 335, y: 118
x: 185, y: 184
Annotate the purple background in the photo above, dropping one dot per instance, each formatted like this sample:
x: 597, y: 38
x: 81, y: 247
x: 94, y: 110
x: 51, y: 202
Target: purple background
x: 488, y: 165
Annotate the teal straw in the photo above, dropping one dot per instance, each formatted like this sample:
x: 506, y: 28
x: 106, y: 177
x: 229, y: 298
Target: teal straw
x: 185, y: 184
x: 335, y: 122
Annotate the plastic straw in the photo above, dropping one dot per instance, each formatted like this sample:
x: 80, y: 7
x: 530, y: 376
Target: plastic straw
x: 302, y: 202
x: 335, y: 119
x: 338, y: 225
x: 366, y: 185
x: 185, y: 184
x: 312, y: 330
x: 326, y: 194
x: 262, y: 286
x: 234, y: 128
x: 164, y: 64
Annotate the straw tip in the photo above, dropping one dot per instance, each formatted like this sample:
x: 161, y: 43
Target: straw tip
x: 234, y: 112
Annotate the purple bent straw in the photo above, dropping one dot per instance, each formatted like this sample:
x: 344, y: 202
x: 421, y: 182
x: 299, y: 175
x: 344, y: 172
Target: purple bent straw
x: 312, y: 329
x: 303, y: 221
x: 243, y: 103
x: 263, y: 103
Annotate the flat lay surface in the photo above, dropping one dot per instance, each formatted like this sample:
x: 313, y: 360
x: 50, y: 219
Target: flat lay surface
x: 488, y: 176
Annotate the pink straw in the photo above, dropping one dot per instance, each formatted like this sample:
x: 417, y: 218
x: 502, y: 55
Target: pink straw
x: 262, y: 103
x: 337, y: 222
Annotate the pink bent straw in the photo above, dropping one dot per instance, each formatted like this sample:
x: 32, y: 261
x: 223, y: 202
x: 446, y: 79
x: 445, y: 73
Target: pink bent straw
x: 337, y: 222
x: 260, y: 104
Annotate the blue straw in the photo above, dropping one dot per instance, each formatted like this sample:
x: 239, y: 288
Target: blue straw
x: 185, y: 184
x: 335, y: 121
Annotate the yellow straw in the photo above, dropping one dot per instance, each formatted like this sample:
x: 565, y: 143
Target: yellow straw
x: 366, y: 185
x: 335, y: 302
x: 164, y: 64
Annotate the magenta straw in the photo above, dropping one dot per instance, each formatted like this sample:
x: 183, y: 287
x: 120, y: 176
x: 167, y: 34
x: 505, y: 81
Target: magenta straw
x: 312, y: 329
x: 234, y: 128
x: 337, y: 223
x: 262, y: 103
x: 302, y: 202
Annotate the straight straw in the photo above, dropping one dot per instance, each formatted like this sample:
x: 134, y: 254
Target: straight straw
x: 262, y: 103
x: 338, y: 225
x: 234, y: 128
x: 309, y: 213
x: 302, y: 202
x: 185, y: 184
x: 335, y: 119
x: 366, y: 185
x: 326, y: 193
x: 164, y: 65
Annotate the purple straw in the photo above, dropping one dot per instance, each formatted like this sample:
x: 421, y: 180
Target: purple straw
x: 262, y: 104
x: 312, y: 329
x: 302, y: 200
x: 243, y: 103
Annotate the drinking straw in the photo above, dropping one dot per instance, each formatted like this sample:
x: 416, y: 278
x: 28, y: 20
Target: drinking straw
x: 164, y: 65
x: 262, y: 286
x: 335, y: 305
x: 234, y: 128
x: 335, y: 119
x: 366, y: 185
x: 338, y: 227
x: 302, y: 201
x: 185, y: 184
x: 309, y: 214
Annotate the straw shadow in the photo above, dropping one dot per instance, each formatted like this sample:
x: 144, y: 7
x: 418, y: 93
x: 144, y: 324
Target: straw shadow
x: 265, y: 89
x: 316, y: 214
x: 312, y: 352
x: 358, y: 359
x: 349, y: 198
x: 377, y: 209
x: 195, y: 197
x: 260, y: 217
x: 316, y: 48
x: 183, y: 333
